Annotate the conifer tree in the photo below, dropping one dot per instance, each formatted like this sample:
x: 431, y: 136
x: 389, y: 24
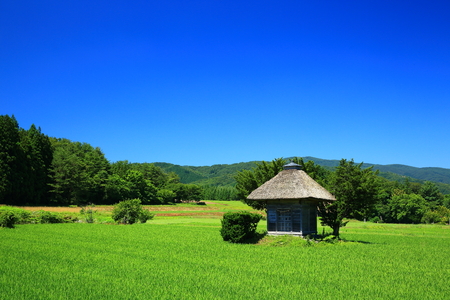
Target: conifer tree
x: 11, y: 175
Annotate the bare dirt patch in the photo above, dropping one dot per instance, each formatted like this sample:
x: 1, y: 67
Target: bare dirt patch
x: 178, y: 208
x: 63, y: 209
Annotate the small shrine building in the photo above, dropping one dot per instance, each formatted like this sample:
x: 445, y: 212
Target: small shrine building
x: 291, y: 201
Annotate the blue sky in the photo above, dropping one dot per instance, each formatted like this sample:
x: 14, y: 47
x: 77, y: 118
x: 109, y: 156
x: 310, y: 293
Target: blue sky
x: 219, y: 82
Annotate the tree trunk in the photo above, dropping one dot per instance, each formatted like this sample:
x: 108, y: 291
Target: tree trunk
x: 336, y: 230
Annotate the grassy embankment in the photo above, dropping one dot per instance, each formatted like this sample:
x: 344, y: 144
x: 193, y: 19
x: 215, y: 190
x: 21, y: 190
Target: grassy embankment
x: 184, y: 257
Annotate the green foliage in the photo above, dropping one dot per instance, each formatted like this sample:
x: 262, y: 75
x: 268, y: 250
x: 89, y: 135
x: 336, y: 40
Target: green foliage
x: 439, y: 216
x: 186, y: 174
x: 145, y: 215
x: 10, y: 174
x: 239, y: 227
x: 249, y: 180
x: 407, y: 208
x: 166, y: 196
x: 79, y: 173
x: 224, y: 193
x: 7, y: 219
x: 116, y: 189
x: 22, y: 216
x: 430, y: 192
x: 37, y: 170
x: 155, y: 175
x: 223, y: 175
x: 356, y: 191
x: 149, y: 172
x: 130, y: 211
x: 446, y: 201
x: 431, y: 217
x: 215, y: 175
x: 140, y: 188
x: 46, y: 217
x: 187, y: 192
x: 397, y: 172
x: 25, y: 157
x: 376, y: 219
x: 142, y: 181
x: 38, y: 151
x: 88, y: 213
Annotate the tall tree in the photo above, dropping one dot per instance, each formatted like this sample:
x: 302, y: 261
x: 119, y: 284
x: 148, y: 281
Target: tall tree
x: 153, y: 173
x: 407, y: 208
x: 140, y: 188
x: 79, y: 173
x: 356, y: 192
x: 39, y: 155
x: 430, y: 192
x: 11, y: 173
x: 120, y: 167
x: 187, y: 192
x: 135, y: 180
x: 117, y: 189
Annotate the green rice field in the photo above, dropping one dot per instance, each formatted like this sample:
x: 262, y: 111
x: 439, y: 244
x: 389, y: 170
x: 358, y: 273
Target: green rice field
x: 184, y: 257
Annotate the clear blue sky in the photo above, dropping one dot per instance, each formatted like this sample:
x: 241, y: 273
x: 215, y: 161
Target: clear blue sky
x: 218, y: 82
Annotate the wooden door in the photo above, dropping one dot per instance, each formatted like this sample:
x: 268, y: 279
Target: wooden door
x: 284, y: 219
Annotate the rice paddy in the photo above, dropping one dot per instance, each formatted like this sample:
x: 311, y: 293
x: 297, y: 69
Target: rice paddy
x: 184, y: 257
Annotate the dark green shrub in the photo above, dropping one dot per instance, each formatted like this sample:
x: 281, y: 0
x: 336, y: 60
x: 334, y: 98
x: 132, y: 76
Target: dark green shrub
x: 7, y: 219
x: 431, y: 217
x: 145, y: 216
x: 45, y: 217
x: 239, y: 227
x: 439, y: 216
x: 22, y: 215
x: 130, y: 211
x: 376, y: 219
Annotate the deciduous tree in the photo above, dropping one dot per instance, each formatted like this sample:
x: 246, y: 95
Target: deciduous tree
x: 407, y: 208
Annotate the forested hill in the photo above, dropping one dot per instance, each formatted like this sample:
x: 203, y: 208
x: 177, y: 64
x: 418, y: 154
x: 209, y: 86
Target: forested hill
x: 223, y: 175
x: 427, y: 174
x: 220, y: 175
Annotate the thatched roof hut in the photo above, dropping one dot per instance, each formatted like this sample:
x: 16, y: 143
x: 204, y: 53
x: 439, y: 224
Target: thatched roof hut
x: 291, y: 184
x: 291, y: 197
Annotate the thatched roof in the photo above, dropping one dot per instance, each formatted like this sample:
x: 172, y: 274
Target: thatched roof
x: 291, y: 184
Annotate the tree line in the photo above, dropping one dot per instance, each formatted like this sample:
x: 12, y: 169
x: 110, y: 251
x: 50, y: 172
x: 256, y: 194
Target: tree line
x: 39, y: 170
x: 361, y: 194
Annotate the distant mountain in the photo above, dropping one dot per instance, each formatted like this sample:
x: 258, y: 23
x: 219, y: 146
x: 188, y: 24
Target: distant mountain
x: 428, y: 174
x: 218, y: 175
x: 223, y: 175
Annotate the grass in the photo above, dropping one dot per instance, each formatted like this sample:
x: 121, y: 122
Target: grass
x: 184, y: 257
